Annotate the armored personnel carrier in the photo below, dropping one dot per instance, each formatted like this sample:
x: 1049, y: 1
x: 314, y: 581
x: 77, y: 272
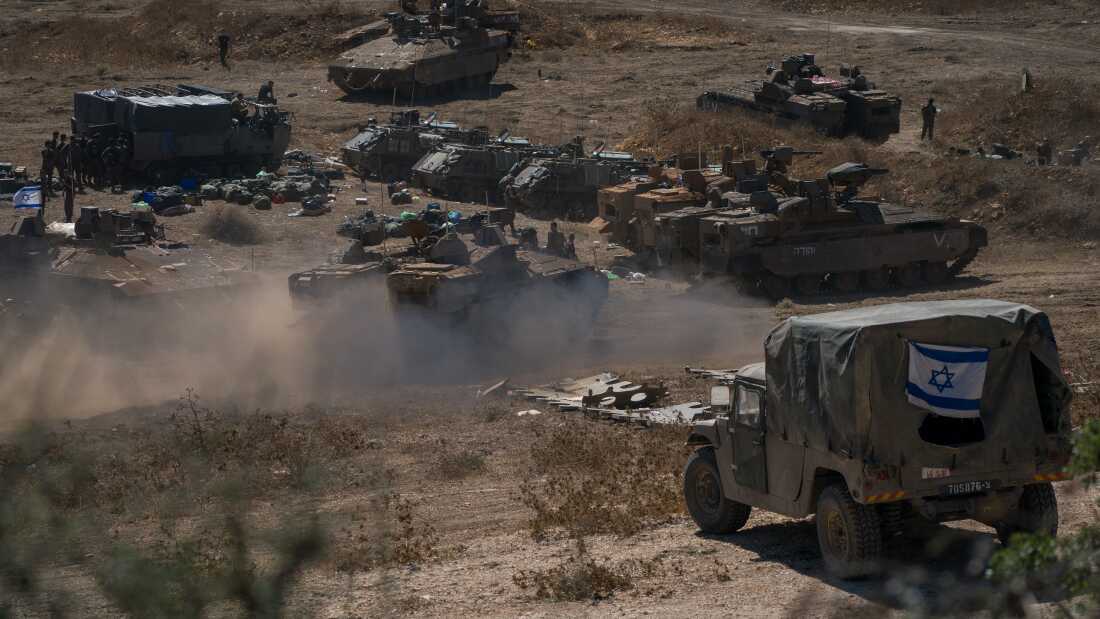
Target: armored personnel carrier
x: 161, y: 132
x: 821, y: 233
x: 566, y: 187
x: 456, y: 48
x: 800, y: 92
x: 461, y: 278
x: 473, y: 173
x: 389, y: 151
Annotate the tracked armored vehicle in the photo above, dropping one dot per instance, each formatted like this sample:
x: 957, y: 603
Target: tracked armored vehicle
x: 822, y: 234
x: 161, y: 132
x: 799, y: 92
x: 462, y: 279
x: 566, y: 187
x: 389, y: 151
x: 444, y: 52
x: 473, y: 173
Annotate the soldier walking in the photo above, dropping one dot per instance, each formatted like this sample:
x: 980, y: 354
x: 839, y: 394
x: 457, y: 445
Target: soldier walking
x: 45, y: 173
x: 928, y: 114
x: 223, y: 49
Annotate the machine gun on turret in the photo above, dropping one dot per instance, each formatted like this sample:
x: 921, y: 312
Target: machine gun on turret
x: 848, y: 178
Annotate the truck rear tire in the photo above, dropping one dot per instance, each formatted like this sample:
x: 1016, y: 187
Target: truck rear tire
x: 850, y: 534
x: 1038, y: 513
x: 709, y: 508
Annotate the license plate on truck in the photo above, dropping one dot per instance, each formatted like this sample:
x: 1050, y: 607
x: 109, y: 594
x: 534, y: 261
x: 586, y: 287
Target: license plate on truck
x: 966, y: 487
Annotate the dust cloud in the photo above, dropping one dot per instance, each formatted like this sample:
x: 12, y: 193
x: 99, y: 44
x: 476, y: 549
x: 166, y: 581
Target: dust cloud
x: 256, y: 349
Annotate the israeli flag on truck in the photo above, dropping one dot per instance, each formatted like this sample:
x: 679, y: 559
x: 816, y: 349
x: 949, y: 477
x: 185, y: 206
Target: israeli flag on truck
x: 947, y: 380
x: 28, y: 197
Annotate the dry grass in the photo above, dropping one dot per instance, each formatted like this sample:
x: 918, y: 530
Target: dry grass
x: 555, y: 25
x: 587, y: 478
x: 581, y: 578
x: 163, y: 32
x: 389, y: 532
x: 230, y: 223
x: 460, y: 464
x: 932, y: 7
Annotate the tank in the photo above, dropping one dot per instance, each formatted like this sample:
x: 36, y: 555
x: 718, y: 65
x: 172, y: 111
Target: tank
x: 389, y: 151
x: 799, y: 92
x: 456, y: 48
x: 566, y: 187
x: 461, y: 279
x: 162, y: 133
x: 820, y: 234
x: 472, y: 173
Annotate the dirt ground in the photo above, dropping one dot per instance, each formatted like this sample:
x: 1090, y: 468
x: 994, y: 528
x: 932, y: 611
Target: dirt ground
x: 654, y: 329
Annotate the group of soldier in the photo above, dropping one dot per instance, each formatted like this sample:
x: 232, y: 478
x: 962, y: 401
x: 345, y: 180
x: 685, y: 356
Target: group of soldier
x: 94, y: 161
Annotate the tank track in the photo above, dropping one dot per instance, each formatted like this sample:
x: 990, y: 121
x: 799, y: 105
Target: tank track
x: 963, y: 261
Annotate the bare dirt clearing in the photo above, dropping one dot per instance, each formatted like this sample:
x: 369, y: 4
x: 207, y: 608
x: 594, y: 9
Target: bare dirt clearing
x: 463, y: 462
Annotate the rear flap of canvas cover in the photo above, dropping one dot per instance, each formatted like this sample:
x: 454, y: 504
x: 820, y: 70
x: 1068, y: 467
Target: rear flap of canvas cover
x: 838, y: 381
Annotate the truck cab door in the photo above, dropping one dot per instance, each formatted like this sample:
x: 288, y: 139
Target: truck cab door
x: 750, y: 468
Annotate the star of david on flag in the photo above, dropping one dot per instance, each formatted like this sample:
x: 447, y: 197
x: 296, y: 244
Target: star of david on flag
x: 28, y: 197
x: 947, y: 380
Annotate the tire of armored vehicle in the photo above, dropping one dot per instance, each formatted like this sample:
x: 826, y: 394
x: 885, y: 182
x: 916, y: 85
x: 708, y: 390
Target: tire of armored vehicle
x: 422, y: 60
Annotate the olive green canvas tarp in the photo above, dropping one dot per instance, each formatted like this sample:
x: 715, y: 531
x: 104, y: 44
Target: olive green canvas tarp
x: 837, y: 381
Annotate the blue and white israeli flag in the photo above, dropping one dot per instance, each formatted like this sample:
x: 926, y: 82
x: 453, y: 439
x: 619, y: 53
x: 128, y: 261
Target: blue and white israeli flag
x: 947, y: 380
x: 28, y: 197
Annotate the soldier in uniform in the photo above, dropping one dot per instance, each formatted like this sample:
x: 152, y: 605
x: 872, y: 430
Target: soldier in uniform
x: 223, y: 49
x: 555, y: 240
x: 928, y: 115
x: 571, y: 247
x: 1045, y: 151
x: 45, y: 174
x: 68, y: 188
x: 76, y: 163
x: 239, y: 107
x: 267, y: 93
x: 61, y: 158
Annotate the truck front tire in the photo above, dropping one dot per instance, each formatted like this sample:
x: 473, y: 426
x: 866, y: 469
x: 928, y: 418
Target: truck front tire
x: 850, y: 534
x: 709, y: 507
x: 1038, y: 513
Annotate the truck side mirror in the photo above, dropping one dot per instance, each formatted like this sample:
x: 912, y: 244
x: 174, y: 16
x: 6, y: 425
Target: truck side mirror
x: 720, y: 396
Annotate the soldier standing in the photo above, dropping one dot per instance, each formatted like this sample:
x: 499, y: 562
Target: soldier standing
x: 45, y: 174
x: 1046, y: 152
x: 68, y: 188
x: 61, y: 157
x: 223, y: 48
x: 928, y: 114
x: 267, y: 93
x: 76, y: 163
x: 555, y: 240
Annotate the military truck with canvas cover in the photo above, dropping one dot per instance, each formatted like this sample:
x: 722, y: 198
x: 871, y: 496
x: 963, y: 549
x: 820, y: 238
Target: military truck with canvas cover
x: 799, y: 92
x: 389, y: 151
x: 428, y: 55
x: 170, y: 131
x: 878, y: 418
